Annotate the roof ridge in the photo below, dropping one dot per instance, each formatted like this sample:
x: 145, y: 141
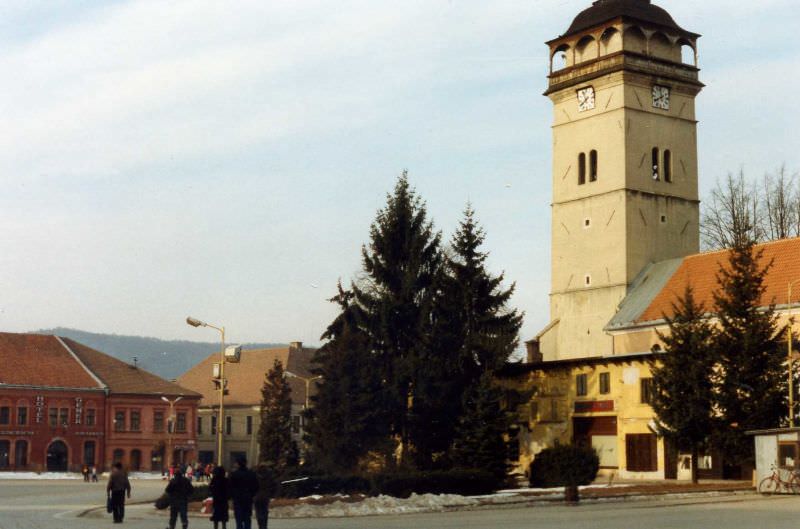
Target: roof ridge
x: 97, y: 379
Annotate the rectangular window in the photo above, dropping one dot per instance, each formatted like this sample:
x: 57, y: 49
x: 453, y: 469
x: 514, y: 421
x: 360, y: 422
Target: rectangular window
x: 63, y: 416
x: 249, y: 425
x: 213, y: 425
x: 295, y: 424
x: 787, y: 455
x: 581, y: 168
x: 22, y: 416
x: 180, y: 423
x: 5, y: 415
x: 646, y: 390
x: 667, y: 166
x: 21, y: 454
x: 136, y: 420
x: 119, y: 421
x: 605, y: 383
x: 593, y: 166
x: 554, y: 415
x: 52, y: 417
x: 90, y: 418
x: 228, y: 425
x: 581, y: 385
x: 5, y: 450
x: 158, y: 421
x: 640, y: 453
x: 199, y: 426
x: 88, y: 453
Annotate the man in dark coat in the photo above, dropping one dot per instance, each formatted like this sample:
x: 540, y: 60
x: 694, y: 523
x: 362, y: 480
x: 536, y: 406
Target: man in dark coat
x: 243, y: 487
x: 118, y: 486
x: 267, y: 487
x: 179, y: 491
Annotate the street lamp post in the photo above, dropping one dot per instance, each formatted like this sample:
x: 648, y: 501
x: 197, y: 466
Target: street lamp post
x: 789, y: 358
x: 308, y: 381
x: 194, y: 322
x: 170, y: 426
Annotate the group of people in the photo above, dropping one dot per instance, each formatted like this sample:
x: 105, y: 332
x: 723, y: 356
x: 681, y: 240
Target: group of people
x: 89, y: 474
x: 197, y: 472
x: 248, y: 490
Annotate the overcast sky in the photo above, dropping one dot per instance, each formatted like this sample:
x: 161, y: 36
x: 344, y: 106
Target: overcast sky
x: 221, y: 159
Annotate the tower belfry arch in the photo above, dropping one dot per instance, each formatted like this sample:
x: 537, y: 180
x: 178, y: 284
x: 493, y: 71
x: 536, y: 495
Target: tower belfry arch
x: 625, y: 182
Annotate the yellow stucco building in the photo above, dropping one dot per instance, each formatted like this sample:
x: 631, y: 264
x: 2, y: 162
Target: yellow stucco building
x: 625, y: 239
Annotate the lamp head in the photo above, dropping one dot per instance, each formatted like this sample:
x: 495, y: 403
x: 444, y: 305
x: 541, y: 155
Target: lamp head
x: 288, y: 373
x: 194, y: 322
x: 165, y: 399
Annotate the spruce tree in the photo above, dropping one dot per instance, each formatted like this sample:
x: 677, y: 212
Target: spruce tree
x: 276, y: 447
x: 474, y: 332
x: 489, y: 328
x: 344, y: 421
x: 750, y: 385
x: 682, y: 376
x: 480, y: 441
x: 393, y: 300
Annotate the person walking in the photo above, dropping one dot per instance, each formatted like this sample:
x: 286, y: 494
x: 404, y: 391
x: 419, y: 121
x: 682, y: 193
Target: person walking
x: 267, y: 487
x: 244, y: 486
x: 94, y: 474
x: 118, y: 487
x: 85, y: 472
x: 179, y: 491
x: 220, y: 494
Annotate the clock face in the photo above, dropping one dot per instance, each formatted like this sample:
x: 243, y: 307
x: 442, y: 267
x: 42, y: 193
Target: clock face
x: 660, y: 97
x: 585, y: 99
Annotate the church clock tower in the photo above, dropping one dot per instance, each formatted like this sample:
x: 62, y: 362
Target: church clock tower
x: 623, y: 81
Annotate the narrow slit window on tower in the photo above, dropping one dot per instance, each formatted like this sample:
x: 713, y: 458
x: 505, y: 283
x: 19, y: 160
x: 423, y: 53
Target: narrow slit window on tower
x: 656, y: 174
x: 593, y: 166
x: 581, y: 168
x: 667, y: 166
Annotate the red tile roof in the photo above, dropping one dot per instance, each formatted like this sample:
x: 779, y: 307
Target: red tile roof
x: 122, y: 378
x: 41, y: 360
x: 246, y: 377
x: 700, y: 271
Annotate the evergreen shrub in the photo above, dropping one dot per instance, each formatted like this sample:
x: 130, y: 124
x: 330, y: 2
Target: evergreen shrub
x: 564, y: 466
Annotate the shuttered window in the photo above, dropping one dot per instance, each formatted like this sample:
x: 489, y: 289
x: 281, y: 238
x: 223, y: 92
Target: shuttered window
x: 641, y: 453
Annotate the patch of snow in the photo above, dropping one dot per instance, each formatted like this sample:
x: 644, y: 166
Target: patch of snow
x: 377, y: 505
x: 42, y: 475
x: 146, y: 475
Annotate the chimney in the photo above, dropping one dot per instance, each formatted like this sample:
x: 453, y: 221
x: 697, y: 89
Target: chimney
x: 534, y: 354
x: 295, y: 345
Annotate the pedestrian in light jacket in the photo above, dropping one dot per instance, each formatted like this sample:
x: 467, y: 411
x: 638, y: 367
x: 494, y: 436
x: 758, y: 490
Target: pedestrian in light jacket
x: 118, y: 487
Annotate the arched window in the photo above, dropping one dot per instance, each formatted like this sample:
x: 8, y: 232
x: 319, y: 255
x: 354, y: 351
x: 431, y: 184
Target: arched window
x: 593, y: 166
x: 656, y: 172
x: 581, y: 168
x: 667, y: 166
x: 688, y: 53
x: 586, y: 49
x: 610, y: 41
x: 560, y: 58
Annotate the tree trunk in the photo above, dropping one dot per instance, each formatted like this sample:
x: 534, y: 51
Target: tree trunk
x: 695, y: 458
x: 571, y: 494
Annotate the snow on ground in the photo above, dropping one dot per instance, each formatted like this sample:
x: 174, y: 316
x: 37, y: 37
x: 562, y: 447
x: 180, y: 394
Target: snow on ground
x: 377, y: 505
x: 420, y: 502
x: 43, y: 475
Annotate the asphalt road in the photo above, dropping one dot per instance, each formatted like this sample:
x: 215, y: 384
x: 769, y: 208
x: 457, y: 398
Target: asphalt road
x: 56, y: 504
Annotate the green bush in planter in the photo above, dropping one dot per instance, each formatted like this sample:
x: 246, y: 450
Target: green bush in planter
x: 567, y: 466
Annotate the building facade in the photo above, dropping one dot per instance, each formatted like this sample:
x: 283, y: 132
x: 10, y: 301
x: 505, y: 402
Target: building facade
x: 625, y: 240
x: 625, y: 188
x: 64, y: 405
x: 243, y: 399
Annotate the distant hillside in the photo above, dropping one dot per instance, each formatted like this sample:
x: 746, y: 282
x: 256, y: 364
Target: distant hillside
x: 165, y: 358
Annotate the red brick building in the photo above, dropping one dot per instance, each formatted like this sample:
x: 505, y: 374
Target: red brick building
x: 63, y: 405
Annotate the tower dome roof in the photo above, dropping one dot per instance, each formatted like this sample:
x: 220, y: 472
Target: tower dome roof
x: 642, y: 10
